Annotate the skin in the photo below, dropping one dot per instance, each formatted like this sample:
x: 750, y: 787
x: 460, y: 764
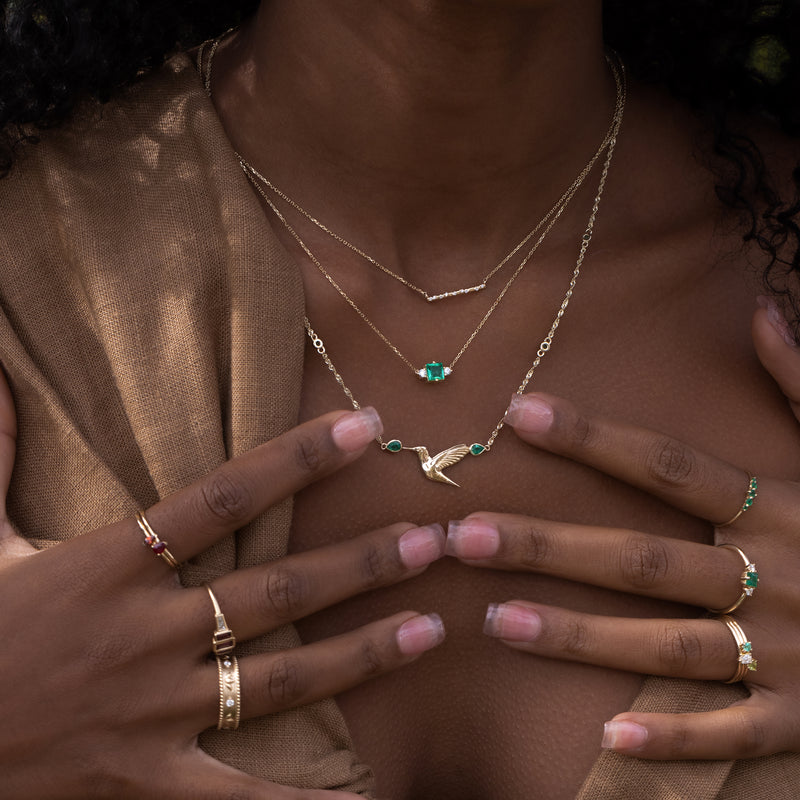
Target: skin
x: 432, y: 134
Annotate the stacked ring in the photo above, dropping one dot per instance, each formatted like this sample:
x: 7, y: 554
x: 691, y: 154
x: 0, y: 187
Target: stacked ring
x: 749, y: 499
x: 153, y: 542
x: 746, y: 660
x: 222, y: 641
x: 230, y: 694
x: 748, y: 581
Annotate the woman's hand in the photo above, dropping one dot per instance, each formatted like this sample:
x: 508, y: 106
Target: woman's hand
x: 106, y: 674
x: 686, y: 572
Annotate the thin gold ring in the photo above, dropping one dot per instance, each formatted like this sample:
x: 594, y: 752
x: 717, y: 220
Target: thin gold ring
x: 748, y: 581
x: 746, y: 659
x: 230, y: 693
x: 749, y: 499
x: 153, y: 542
x: 222, y: 641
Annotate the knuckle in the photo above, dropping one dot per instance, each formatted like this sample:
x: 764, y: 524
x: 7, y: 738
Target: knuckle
x: 575, y: 639
x: 582, y: 433
x: 377, y: 566
x: 537, y: 547
x: 678, y: 647
x: 644, y: 561
x: 286, y: 592
x: 310, y: 457
x: 371, y: 658
x: 675, y: 740
x: 224, y: 497
x: 105, y: 655
x: 751, y: 737
x: 671, y: 463
x: 285, y: 685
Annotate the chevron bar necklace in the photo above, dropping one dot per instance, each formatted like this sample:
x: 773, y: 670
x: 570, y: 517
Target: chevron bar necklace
x: 433, y: 466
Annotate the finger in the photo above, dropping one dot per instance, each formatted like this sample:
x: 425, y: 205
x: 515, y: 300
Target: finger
x: 11, y: 544
x: 703, y: 649
x: 259, y: 599
x: 205, y: 778
x: 228, y: 498
x: 613, y: 558
x: 276, y: 681
x: 661, y: 465
x: 777, y: 350
x: 745, y: 730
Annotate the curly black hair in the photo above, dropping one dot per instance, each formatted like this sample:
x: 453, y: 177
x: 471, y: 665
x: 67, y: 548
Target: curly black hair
x: 729, y: 59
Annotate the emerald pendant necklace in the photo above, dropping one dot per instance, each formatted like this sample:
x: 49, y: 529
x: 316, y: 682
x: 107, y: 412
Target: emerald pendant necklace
x: 433, y: 466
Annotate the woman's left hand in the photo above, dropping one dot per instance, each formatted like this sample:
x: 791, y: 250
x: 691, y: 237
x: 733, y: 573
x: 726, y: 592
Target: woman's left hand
x: 766, y: 722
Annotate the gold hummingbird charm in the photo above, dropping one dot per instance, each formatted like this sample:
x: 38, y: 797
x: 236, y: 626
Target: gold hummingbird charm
x: 433, y: 466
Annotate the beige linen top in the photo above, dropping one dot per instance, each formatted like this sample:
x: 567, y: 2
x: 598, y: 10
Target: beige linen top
x: 151, y: 327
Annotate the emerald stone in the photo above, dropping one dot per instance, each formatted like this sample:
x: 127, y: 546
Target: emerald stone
x: 752, y: 579
x: 476, y: 449
x: 395, y: 446
x: 434, y: 371
x: 747, y: 647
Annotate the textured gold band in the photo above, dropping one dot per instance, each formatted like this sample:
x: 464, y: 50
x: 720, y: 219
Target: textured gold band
x: 746, y: 659
x: 230, y: 693
x: 153, y: 542
x: 222, y: 641
x: 748, y: 581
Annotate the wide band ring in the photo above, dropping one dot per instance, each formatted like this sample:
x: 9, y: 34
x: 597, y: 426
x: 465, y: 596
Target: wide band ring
x: 746, y: 659
x: 153, y: 542
x: 230, y: 693
x: 748, y: 581
x: 749, y: 499
x: 222, y: 641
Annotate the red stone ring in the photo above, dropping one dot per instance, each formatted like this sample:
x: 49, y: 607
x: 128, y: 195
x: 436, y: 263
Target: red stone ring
x: 153, y: 542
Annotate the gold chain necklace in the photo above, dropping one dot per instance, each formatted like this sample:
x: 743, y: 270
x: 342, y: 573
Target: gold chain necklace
x: 433, y: 466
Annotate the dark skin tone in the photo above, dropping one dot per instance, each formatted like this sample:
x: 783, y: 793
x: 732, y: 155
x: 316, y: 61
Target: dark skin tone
x: 456, y: 165
x: 433, y: 135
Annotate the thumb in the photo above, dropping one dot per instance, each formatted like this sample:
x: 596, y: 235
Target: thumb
x: 10, y: 543
x: 777, y: 350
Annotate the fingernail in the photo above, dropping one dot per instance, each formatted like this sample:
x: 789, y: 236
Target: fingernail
x: 777, y: 320
x: 471, y: 539
x: 529, y: 413
x: 512, y: 622
x: 420, y: 634
x: 356, y: 429
x: 421, y: 546
x: 623, y: 736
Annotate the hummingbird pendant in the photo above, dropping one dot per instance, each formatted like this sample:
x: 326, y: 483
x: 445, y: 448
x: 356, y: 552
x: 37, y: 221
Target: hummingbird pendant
x: 433, y: 466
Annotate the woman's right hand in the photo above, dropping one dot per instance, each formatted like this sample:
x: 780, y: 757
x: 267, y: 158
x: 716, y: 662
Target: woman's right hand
x: 106, y: 674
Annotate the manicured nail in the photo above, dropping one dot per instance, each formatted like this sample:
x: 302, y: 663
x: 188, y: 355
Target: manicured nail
x: 777, y: 320
x: 512, y: 622
x: 526, y: 412
x: 623, y: 736
x: 356, y: 429
x: 420, y: 634
x: 421, y: 546
x: 472, y: 539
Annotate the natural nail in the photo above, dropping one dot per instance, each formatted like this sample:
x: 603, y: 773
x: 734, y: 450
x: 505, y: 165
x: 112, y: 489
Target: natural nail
x: 622, y: 735
x: 529, y: 413
x: 420, y: 634
x: 355, y: 430
x: 777, y: 320
x: 512, y: 622
x: 421, y: 546
x: 472, y: 539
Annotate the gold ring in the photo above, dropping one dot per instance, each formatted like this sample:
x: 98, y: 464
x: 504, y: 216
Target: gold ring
x: 153, y: 542
x: 749, y: 499
x: 746, y: 660
x: 748, y: 581
x: 223, y: 641
x: 230, y: 693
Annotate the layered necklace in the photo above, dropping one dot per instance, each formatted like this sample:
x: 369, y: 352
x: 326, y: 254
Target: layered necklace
x: 433, y: 466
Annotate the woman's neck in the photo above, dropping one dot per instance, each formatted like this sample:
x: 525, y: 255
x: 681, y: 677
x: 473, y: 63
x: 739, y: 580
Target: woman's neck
x: 418, y: 118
